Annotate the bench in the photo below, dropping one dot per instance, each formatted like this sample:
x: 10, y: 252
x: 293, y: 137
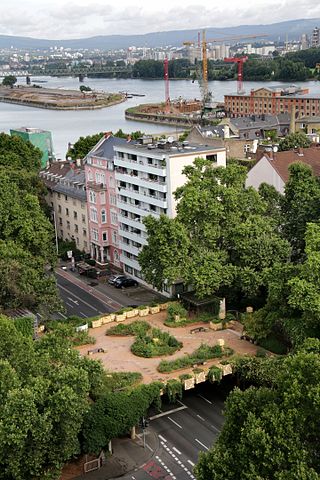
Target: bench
x: 198, y: 329
x: 96, y: 350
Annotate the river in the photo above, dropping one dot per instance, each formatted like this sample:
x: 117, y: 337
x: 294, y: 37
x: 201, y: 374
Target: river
x: 68, y: 126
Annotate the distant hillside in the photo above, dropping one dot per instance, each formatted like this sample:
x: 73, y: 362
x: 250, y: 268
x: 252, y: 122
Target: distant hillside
x: 275, y: 31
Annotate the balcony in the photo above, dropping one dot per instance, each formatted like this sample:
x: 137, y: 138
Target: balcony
x: 131, y: 207
x: 129, y: 248
x: 143, y: 197
x: 140, y: 166
x: 97, y: 187
x: 135, y: 237
x: 130, y: 262
x: 142, y: 182
x: 131, y: 222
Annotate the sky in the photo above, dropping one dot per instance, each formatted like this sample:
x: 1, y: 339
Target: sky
x: 64, y: 19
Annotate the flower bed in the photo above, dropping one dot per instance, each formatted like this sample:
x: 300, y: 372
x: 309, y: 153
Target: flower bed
x: 139, y: 327
x: 155, y: 344
x: 203, y: 353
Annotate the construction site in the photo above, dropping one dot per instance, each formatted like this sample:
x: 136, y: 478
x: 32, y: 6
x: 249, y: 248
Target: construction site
x: 188, y: 112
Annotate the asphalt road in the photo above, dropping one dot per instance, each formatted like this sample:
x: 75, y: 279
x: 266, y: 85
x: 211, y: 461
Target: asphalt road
x: 184, y: 430
x: 83, y: 300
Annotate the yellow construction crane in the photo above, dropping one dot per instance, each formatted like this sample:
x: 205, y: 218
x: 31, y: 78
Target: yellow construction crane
x: 206, y: 96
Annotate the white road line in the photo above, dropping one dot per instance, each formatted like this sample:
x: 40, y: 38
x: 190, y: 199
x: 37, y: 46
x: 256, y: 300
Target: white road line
x: 69, y: 304
x: 163, y: 414
x: 215, y: 428
x: 191, y: 463
x: 81, y: 313
x: 82, y: 301
x: 205, y: 399
x: 202, y: 444
x: 63, y: 316
x: 201, y: 418
x: 174, y: 422
x: 176, y: 450
x: 74, y: 301
x: 148, y: 446
x: 162, y: 438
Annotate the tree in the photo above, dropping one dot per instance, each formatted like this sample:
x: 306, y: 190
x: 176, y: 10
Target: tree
x: 220, y: 236
x: 271, y: 432
x: 18, y: 154
x: 83, y: 146
x: 44, y: 395
x: 9, y: 81
x: 299, y: 206
x: 84, y: 88
x: 294, y: 140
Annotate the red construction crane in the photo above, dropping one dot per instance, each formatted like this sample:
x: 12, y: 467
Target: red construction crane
x: 166, y: 81
x: 239, y: 61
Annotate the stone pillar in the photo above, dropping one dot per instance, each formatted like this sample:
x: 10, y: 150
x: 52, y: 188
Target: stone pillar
x: 133, y: 433
x: 222, y: 310
x: 101, y: 255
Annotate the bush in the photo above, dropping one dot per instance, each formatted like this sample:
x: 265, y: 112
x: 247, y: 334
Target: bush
x: 214, y: 374
x: 273, y: 344
x: 68, y: 331
x: 156, y: 344
x: 139, y: 327
x: 174, y: 390
x: 203, y: 353
x: 24, y: 325
x: 176, y: 309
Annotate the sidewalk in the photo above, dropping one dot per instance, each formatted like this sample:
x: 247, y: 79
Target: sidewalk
x: 128, y: 456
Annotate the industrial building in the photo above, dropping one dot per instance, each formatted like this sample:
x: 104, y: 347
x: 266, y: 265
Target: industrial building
x: 272, y: 101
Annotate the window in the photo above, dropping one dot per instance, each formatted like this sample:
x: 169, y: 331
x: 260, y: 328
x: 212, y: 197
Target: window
x: 75, y: 215
x: 84, y: 232
x: 68, y: 225
x: 66, y: 198
x: 93, y: 214
x: 60, y: 221
x: 128, y: 269
x: 102, y: 197
x: 67, y: 212
x: 114, y: 238
x: 247, y: 147
x: 114, y: 218
x: 105, y: 236
x: 103, y: 216
x: 83, y: 218
x: 61, y: 234
x: 113, y: 199
x: 85, y: 244
x: 116, y: 256
x: 100, y: 178
x: 83, y: 205
x: 90, y: 177
x: 76, y: 229
x: 95, y: 234
x: 77, y: 240
x: 59, y: 208
x: 92, y: 196
x: 59, y: 195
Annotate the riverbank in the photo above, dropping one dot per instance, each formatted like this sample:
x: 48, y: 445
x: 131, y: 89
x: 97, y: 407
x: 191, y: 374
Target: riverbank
x: 182, y: 113
x: 59, y: 99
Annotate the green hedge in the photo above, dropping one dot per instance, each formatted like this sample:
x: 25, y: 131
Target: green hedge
x: 156, y: 344
x: 139, y: 327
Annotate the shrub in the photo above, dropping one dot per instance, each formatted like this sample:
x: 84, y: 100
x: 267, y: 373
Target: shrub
x: 174, y: 390
x: 214, y: 374
x: 185, y: 376
x: 203, y: 353
x: 24, y: 325
x: 175, y: 309
x: 139, y: 327
x: 156, y: 344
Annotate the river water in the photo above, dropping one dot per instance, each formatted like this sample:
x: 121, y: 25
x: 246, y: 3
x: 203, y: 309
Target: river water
x: 68, y: 126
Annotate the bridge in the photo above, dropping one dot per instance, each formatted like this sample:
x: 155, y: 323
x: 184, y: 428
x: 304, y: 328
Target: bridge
x: 79, y: 71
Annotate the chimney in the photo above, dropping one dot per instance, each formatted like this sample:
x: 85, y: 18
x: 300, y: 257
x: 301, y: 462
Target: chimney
x: 107, y: 134
x: 129, y: 138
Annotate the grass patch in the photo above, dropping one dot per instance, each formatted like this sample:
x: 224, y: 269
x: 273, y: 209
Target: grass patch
x: 139, y: 327
x: 204, y: 317
x: 115, y: 381
x: 155, y: 344
x: 203, y: 353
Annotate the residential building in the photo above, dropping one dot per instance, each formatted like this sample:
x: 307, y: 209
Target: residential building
x: 273, y: 167
x: 147, y: 176
x: 66, y: 196
x: 308, y: 125
x: 39, y: 138
x: 315, y: 37
x: 272, y: 101
x: 102, y: 208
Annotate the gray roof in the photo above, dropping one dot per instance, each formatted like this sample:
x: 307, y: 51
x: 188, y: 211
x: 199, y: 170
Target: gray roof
x: 104, y: 148
x: 260, y: 121
x: 65, y: 178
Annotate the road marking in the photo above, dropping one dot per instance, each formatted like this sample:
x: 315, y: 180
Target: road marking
x: 69, y: 304
x: 202, y: 444
x: 81, y: 313
x: 74, y: 301
x: 82, y: 301
x: 174, y: 422
x: 162, y: 438
x: 63, y: 316
x: 176, y: 450
x: 205, y: 399
x: 215, y: 428
x: 201, y: 418
x: 163, y: 414
x: 133, y: 478
x: 148, y: 446
x: 191, y: 463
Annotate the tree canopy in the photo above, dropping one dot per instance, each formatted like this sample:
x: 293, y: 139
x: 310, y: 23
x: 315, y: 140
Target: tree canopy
x: 9, y: 81
x: 271, y: 431
x: 294, y: 140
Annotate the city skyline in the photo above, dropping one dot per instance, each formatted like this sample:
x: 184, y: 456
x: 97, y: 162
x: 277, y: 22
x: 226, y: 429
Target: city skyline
x: 56, y: 20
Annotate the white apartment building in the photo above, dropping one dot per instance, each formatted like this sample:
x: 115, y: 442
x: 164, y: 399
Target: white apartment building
x: 147, y: 176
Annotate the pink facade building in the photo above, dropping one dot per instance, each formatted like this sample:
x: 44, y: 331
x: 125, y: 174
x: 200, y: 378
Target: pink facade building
x: 101, y: 190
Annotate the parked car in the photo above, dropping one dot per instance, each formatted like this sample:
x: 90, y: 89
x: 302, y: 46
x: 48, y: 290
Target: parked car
x: 126, y: 282
x: 115, y: 278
